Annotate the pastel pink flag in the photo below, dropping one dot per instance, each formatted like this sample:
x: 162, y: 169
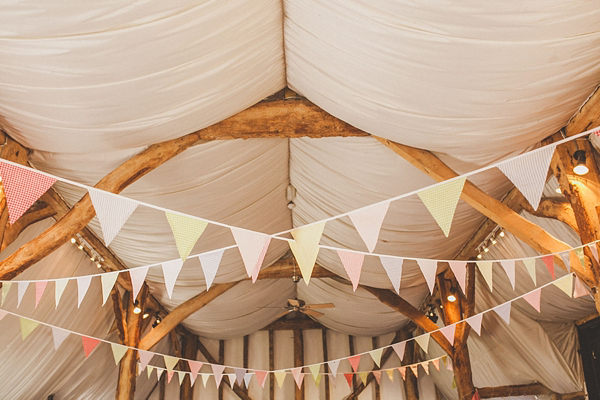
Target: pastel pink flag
x: 476, y: 395
x: 429, y: 270
x: 83, y: 284
x: 261, y: 376
x: 594, y: 250
x: 399, y: 349
x: 368, y: 221
x: 112, y: 211
x: 145, y: 357
x: 503, y: 311
x: 436, y: 363
x: 549, y: 261
x: 377, y: 375
x: 448, y: 332
x: 170, y: 376
x: 354, y: 361
x: 171, y: 271
x: 39, y: 291
x: 459, y: 269
x: 353, y: 265
x: 393, y: 268
x: 194, y: 369
x: 534, y: 298
x: 333, y: 366
x: 3, y: 314
x: 566, y: 259
x: 89, y: 344
x: 475, y: 322
x: 138, y: 275
x: 59, y: 336
x: 253, y: 247
x: 210, y: 265
x: 415, y: 369
x: 580, y: 288
x: 402, y: 371
x: 509, y: 268
x: 22, y: 188
x: 218, y: 373
x: 298, y: 376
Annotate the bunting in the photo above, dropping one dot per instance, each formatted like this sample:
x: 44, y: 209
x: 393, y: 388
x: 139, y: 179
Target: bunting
x: 280, y: 377
x: 441, y: 201
x: 145, y: 357
x: 186, y: 231
x: 423, y: 341
x: 579, y: 253
x: 205, y: 379
x: 528, y: 173
x: 448, y: 332
x: 390, y: 374
x: 218, y: 373
x: 118, y: 351
x: 485, y: 267
x: 377, y: 375
x: 83, y: 284
x: 137, y: 275
x: 253, y: 248
x: 298, y: 376
x: 261, y: 377
x: 402, y: 371
x: 5, y: 289
x: 112, y: 211
x: 22, y: 188
x: 368, y: 221
x: 534, y: 299
x: 239, y: 375
x: 459, y: 269
x: 21, y: 288
x: 565, y: 284
x: 59, y: 288
x: 333, y: 367
x: 354, y: 361
x: 530, y: 265
x: 210, y: 265
x: 594, y: 250
x: 376, y: 356
x: 580, y: 289
x: 399, y: 349
x: 353, y: 265
x: 429, y: 270
x: 363, y: 376
x: 549, y: 261
x: 314, y: 370
x: 509, y: 268
x: 58, y: 336
x: 247, y: 379
x: 475, y: 322
x: 171, y: 271
x: 503, y: 311
x: 39, y: 291
x: 27, y: 326
x: 349, y: 378
x: 195, y: 367
x: 89, y: 344
x: 171, y: 362
x: 108, y: 282
x: 305, y: 247
x: 393, y: 268
x: 566, y: 257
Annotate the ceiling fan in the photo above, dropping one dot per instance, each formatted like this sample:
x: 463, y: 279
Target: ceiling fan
x: 301, y: 306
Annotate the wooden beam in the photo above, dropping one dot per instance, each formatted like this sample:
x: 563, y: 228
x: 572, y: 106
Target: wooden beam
x: 246, y: 356
x: 352, y: 352
x: 534, y: 389
x: 587, y: 117
x: 298, y: 360
x: 284, y: 268
x: 397, y: 303
x: 411, y: 385
x: 554, y: 208
x: 290, y: 324
x: 189, y: 350
x: 377, y: 388
x: 271, y: 364
x: 181, y: 312
x: 222, y: 362
x: 527, y: 231
x: 37, y: 212
x: 326, y: 365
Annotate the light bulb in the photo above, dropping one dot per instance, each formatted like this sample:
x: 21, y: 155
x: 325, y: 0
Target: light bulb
x: 146, y: 315
x: 557, y: 190
x: 452, y: 295
x: 80, y: 247
x: 98, y: 265
x: 501, y: 234
x: 73, y: 240
x: 580, y: 168
x: 479, y: 256
x: 485, y: 249
x: 136, y: 308
x: 494, y: 241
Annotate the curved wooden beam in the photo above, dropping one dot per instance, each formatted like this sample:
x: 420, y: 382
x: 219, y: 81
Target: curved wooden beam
x: 558, y: 209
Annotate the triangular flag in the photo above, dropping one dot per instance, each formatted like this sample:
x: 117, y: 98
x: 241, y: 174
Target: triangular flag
x: 261, y: 376
x: 549, y: 261
x: 150, y: 369
x: 390, y: 374
x: 181, y: 375
x: 298, y: 376
x: 594, y: 250
x: 118, y: 351
x: 579, y: 252
x: 138, y: 275
x: 210, y: 265
x: 566, y: 257
x: 528, y: 173
x: 441, y: 201
x: 305, y: 247
x: 39, y: 291
x: 353, y: 263
x: 170, y: 375
x: 476, y: 395
x: 89, y: 344
x: 349, y: 378
x: 21, y: 288
x: 402, y: 371
x: 247, y: 379
x: 565, y: 284
x: 112, y: 211
x: 449, y: 365
x: 368, y: 221
x: 5, y: 289
x: 22, y: 188
x: 314, y: 370
x: 415, y: 369
x: 485, y: 267
x: 475, y: 322
x: 429, y: 270
x: 186, y: 231
x: 425, y: 366
x: 354, y: 361
x: 3, y: 314
x: 231, y: 378
x: 59, y: 336
x: 27, y: 326
x: 377, y: 375
x: 159, y: 372
x: 145, y: 357
x: 448, y: 332
x: 170, y: 362
x: 503, y: 311
x: 509, y: 268
x: 376, y: 356
x: 436, y: 363
x: 239, y: 375
x: 171, y: 271
x: 253, y: 247
x: 204, y: 378
x: 333, y: 367
x: 59, y: 288
x: 393, y: 268
x: 194, y: 369
x: 280, y: 377
x: 423, y: 341
x: 534, y: 298
x: 83, y: 284
x: 530, y: 265
x: 363, y: 377
x: 108, y: 282
x: 580, y: 289
x: 399, y: 349
x: 459, y: 269
x: 218, y: 373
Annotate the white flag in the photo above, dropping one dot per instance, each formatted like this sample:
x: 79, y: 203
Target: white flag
x: 112, y: 211
x: 83, y: 284
x: 210, y: 265
x: 171, y: 271
x: 393, y: 268
x: 368, y: 221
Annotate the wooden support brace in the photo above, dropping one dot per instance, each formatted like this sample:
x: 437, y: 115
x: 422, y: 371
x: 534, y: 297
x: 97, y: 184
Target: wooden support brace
x: 298, y: 360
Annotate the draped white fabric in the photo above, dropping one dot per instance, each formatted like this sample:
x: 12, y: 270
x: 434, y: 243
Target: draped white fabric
x: 89, y: 85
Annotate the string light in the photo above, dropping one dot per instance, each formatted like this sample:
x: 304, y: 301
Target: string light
x: 136, y: 308
x: 501, y: 234
x: 452, y: 295
x: 479, y: 256
x: 157, y: 321
x: 485, y: 249
x: 146, y: 315
x: 73, y: 240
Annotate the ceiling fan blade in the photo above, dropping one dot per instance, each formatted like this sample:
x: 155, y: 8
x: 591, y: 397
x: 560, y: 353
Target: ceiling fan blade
x: 312, y: 313
x: 286, y: 312
x: 294, y: 302
x: 324, y: 305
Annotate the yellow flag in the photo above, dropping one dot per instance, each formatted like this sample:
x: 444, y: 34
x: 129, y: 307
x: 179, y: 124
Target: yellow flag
x: 118, y: 351
x: 376, y: 356
x: 27, y: 326
x: 565, y: 284
x: 305, y: 247
x: 187, y: 231
x: 280, y: 376
x: 441, y: 201
x: 485, y: 267
x: 170, y: 362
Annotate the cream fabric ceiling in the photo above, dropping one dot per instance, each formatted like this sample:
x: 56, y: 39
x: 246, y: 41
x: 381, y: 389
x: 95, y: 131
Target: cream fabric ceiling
x: 89, y: 85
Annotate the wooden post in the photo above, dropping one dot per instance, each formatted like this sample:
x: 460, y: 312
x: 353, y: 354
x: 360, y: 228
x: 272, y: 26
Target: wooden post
x: 189, y: 349
x: 351, y: 348
x: 411, y: 385
x: 271, y: 364
x: 222, y: 361
x: 325, y: 366
x: 299, y: 360
x: 131, y: 334
x: 246, y: 349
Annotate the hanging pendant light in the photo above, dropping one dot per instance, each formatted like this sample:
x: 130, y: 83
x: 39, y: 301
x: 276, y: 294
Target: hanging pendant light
x: 580, y: 167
